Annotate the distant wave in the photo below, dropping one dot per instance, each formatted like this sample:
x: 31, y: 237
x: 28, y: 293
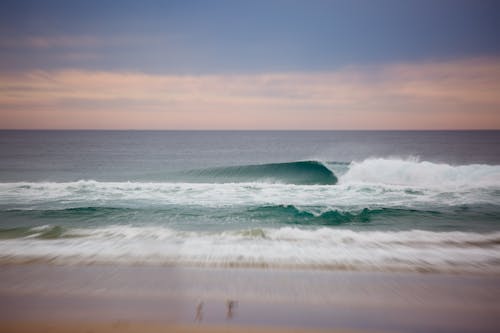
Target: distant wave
x: 412, y: 172
x: 300, y: 173
x: 322, y: 248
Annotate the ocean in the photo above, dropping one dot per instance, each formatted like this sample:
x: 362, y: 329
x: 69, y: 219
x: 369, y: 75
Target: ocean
x: 424, y: 201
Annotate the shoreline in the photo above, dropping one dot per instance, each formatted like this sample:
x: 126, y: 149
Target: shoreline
x: 300, y: 299
x: 250, y: 265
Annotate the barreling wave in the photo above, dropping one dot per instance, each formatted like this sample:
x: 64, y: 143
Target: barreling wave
x: 300, y: 173
x: 322, y: 248
x: 423, y: 174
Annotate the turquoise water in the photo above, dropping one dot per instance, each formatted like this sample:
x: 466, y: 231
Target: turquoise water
x: 350, y: 200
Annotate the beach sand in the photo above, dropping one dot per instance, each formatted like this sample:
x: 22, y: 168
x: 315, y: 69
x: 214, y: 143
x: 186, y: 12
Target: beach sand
x: 126, y: 327
x: 106, y: 298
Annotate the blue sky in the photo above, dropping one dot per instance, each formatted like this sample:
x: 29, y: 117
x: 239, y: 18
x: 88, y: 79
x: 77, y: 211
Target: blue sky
x: 388, y: 64
x: 242, y: 36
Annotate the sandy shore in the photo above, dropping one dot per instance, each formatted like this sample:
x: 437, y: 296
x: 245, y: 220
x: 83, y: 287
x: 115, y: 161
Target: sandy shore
x: 126, y: 327
x: 99, y: 298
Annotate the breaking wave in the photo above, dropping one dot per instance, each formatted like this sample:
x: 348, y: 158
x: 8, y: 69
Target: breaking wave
x: 322, y: 248
x: 300, y: 173
x: 382, y: 214
x: 412, y: 172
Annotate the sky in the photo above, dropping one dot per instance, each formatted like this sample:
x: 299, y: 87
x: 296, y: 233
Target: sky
x: 339, y: 65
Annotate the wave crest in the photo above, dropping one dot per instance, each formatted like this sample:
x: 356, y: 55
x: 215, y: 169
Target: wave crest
x: 412, y: 172
x: 300, y: 173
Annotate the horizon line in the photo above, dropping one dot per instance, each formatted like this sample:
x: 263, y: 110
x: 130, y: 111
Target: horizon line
x: 252, y: 130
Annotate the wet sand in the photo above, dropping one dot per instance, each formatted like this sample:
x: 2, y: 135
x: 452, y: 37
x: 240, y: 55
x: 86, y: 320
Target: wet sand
x: 126, y: 327
x: 104, y: 298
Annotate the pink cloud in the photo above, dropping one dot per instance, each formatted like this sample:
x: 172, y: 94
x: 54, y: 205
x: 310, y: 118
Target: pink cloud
x: 433, y: 95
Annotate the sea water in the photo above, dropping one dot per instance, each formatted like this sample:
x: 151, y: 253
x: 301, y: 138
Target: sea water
x: 384, y: 200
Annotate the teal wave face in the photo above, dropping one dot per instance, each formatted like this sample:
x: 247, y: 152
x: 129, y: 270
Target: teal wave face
x: 479, y: 218
x: 472, y: 218
x: 292, y: 215
x: 300, y: 173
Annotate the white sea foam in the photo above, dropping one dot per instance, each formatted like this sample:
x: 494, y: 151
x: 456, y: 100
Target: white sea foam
x: 423, y: 174
x: 369, y: 184
x: 321, y: 248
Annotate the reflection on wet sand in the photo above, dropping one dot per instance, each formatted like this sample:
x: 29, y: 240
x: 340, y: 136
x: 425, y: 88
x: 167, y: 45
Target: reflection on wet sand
x: 199, y: 312
x: 230, y: 304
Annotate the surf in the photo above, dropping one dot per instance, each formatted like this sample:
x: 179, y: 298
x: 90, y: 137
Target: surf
x: 299, y: 173
x: 422, y: 174
x: 322, y: 248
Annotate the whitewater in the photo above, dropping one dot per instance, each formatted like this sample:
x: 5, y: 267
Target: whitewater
x: 397, y: 214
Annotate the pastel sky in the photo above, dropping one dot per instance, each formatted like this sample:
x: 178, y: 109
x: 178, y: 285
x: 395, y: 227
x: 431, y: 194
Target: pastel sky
x: 392, y: 64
